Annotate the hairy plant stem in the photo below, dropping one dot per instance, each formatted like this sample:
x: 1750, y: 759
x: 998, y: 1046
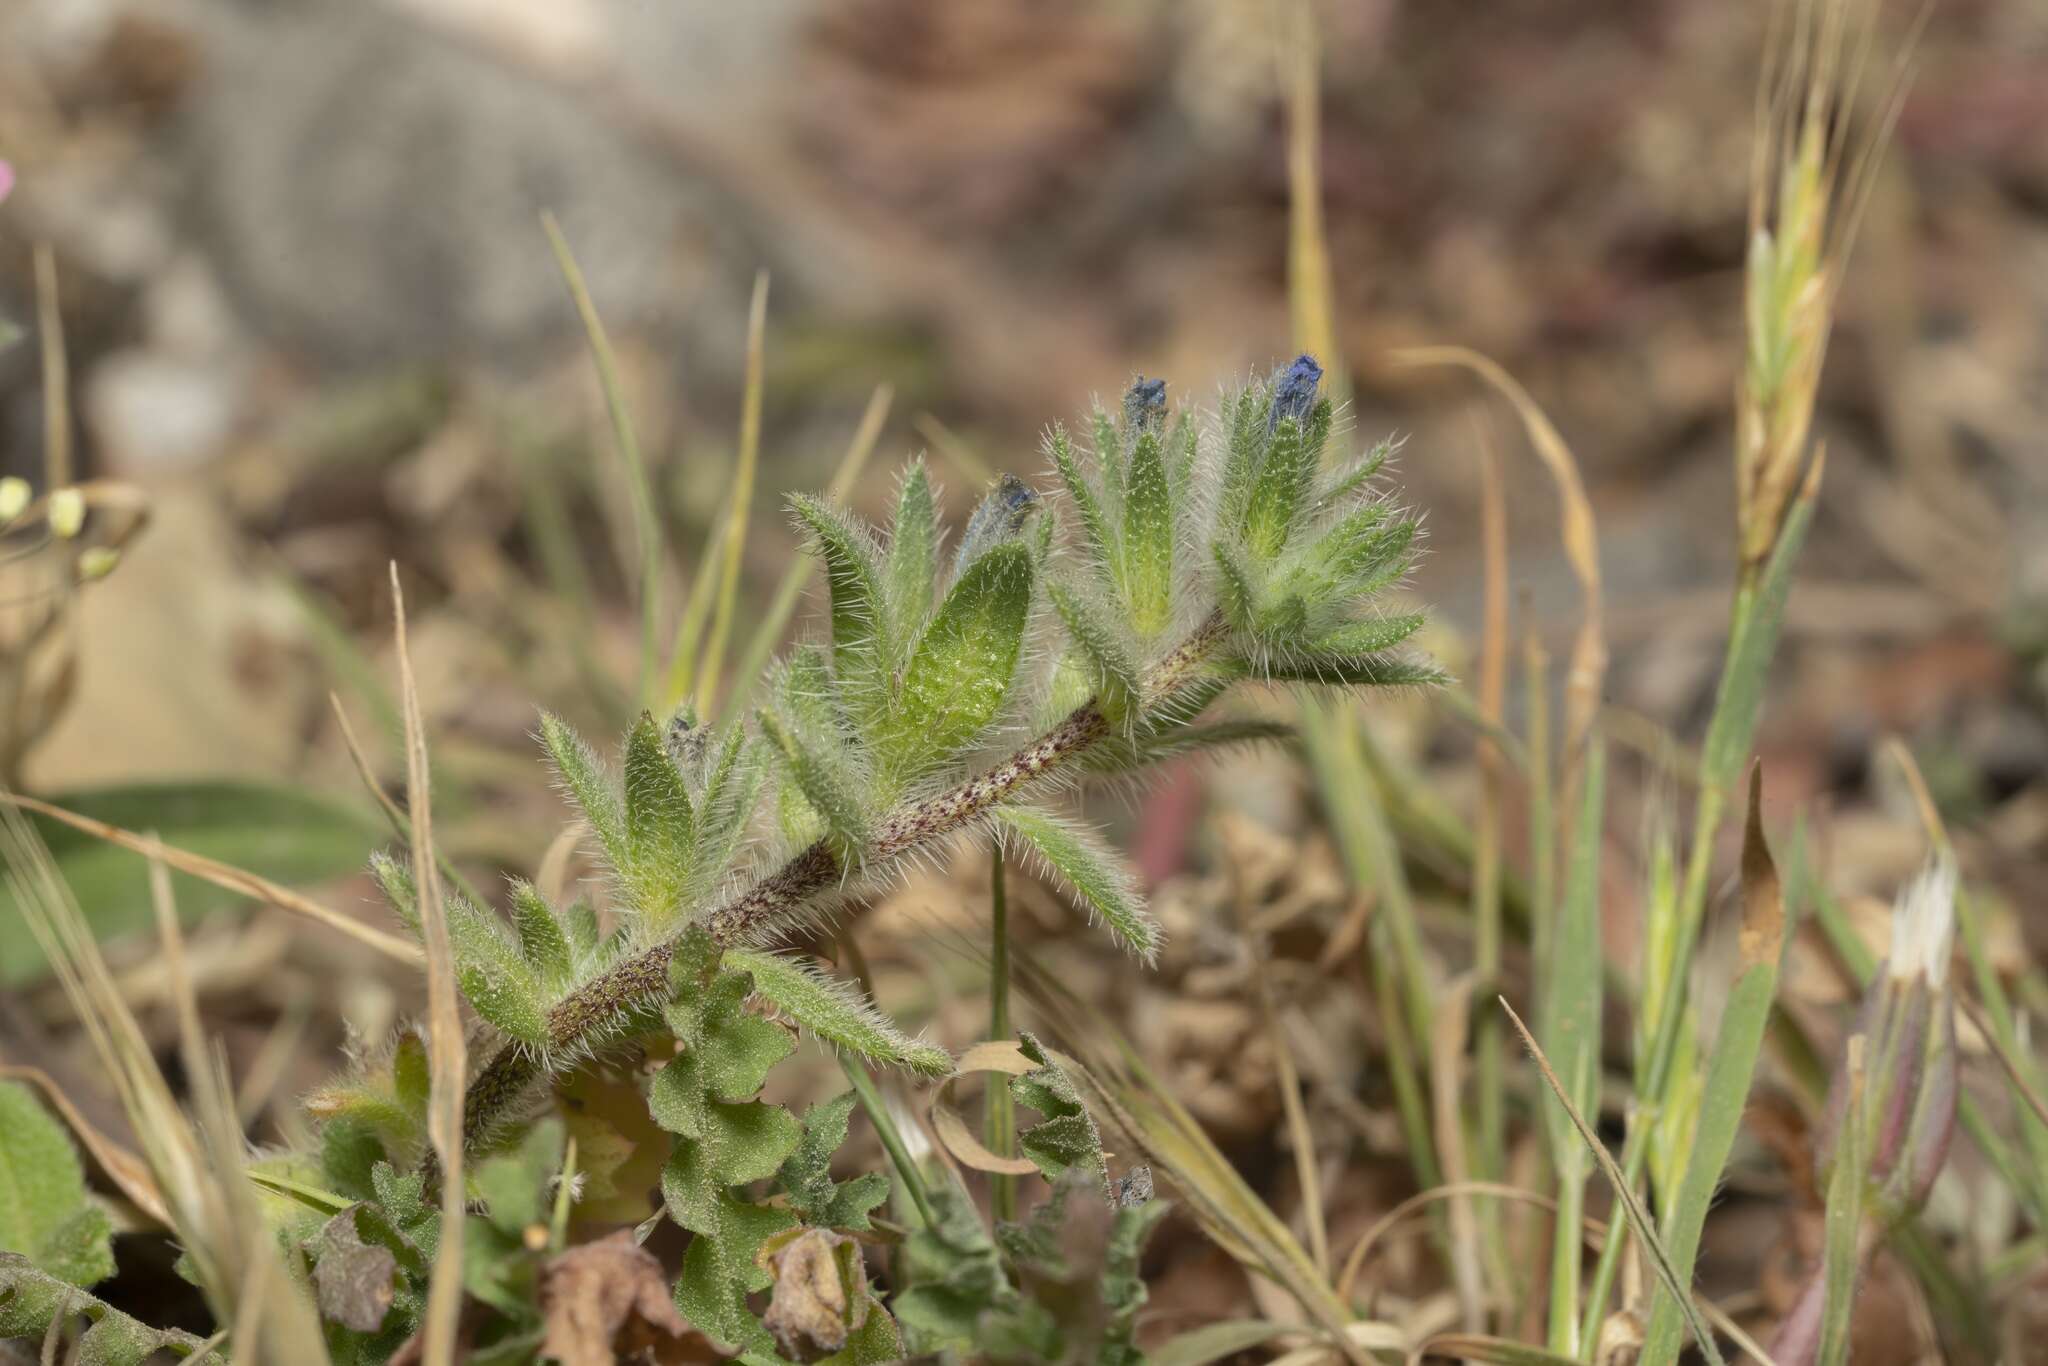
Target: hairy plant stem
x: 779, y: 898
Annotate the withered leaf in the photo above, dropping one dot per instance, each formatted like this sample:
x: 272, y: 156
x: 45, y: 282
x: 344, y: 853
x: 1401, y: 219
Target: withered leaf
x: 356, y: 1281
x: 809, y: 1308
x: 607, y: 1302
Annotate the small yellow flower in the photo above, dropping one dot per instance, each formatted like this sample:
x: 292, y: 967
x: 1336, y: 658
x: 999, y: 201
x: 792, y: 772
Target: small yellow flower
x: 67, y: 513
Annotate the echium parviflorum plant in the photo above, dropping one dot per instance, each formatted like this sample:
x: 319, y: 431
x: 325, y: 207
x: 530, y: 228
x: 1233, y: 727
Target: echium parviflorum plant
x: 1081, y: 632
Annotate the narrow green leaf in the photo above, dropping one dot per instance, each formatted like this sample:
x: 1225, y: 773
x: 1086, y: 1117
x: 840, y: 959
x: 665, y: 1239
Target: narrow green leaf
x: 913, y: 553
x: 44, y: 1211
x: 1116, y: 676
x: 1743, y: 1021
x: 542, y: 940
x: 495, y: 976
x: 836, y: 1012
x: 1342, y: 671
x: 824, y: 776
x: 1234, y: 590
x: 1571, y: 1023
x: 1090, y: 870
x: 1355, y: 476
x: 1368, y: 637
x: 1842, y: 1252
x: 1750, y: 650
x: 584, y: 777
x: 853, y: 572
x: 1148, y: 535
x: 659, y: 825
x: 1102, y: 544
x: 1279, y: 495
x: 960, y: 675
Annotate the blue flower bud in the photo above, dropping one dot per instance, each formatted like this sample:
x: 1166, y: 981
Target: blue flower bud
x: 1000, y: 516
x: 1144, y: 403
x: 1294, y: 392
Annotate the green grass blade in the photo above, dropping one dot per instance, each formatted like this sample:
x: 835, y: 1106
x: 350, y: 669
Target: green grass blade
x: 1743, y: 1022
x: 1570, y: 1013
x: 641, y: 490
x: 742, y: 499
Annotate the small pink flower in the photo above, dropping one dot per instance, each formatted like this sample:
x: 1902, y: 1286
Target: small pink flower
x: 6, y: 180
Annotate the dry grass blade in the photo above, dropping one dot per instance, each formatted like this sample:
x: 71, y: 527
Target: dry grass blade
x: 1447, y: 1052
x: 444, y: 1018
x: 1299, y: 1133
x: 225, y: 875
x: 1309, y: 284
x: 742, y: 497
x: 1361, y: 1251
x: 996, y: 1059
x: 2022, y: 1084
x: 1581, y: 540
x: 1639, y: 1218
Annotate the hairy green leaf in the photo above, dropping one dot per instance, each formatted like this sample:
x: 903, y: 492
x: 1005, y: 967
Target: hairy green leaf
x: 1279, y: 495
x: 961, y: 672
x: 913, y: 553
x: 824, y: 774
x: 1148, y: 539
x: 1090, y: 869
x: 542, y: 940
x: 835, y: 1012
x: 31, y: 1300
x: 660, y: 835
x: 1368, y: 637
x: 1100, y: 644
x: 495, y: 975
x: 44, y: 1211
x: 853, y: 572
x: 1101, y: 539
x: 1066, y: 1137
x: 584, y: 777
x: 806, y: 1175
x: 997, y: 520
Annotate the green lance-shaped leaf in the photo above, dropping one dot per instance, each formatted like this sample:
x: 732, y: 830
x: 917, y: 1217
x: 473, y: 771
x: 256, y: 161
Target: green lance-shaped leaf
x: 1090, y: 870
x: 542, y: 940
x: 1743, y: 1022
x: 44, y: 1212
x: 659, y: 826
x: 836, y: 1012
x: 853, y: 573
x: 31, y: 1300
x: 1066, y: 1137
x: 1104, y: 649
x: 806, y: 1175
x: 592, y: 791
x: 514, y: 1184
x: 1235, y: 591
x: 1109, y: 455
x: 1353, y: 478
x: 913, y: 553
x: 1341, y: 671
x: 1148, y: 539
x: 1102, y: 545
x: 1369, y: 636
x: 825, y: 775
x: 1244, y: 421
x: 727, y: 803
x: 1362, y: 554
x: 960, y: 675
x: 724, y: 1138
x: 494, y: 974
x: 1280, y: 493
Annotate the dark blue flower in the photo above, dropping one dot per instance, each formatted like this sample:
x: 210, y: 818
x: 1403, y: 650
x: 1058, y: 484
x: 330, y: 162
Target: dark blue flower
x: 1000, y: 516
x: 1144, y: 402
x: 1294, y: 392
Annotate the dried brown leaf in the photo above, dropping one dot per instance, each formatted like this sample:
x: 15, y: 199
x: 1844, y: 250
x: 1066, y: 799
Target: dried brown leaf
x: 607, y: 1302
x: 356, y: 1281
x: 809, y: 1311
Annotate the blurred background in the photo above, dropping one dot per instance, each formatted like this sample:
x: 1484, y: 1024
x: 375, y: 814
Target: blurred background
x: 310, y: 312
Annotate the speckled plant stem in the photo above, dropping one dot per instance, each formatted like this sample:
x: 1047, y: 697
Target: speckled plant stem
x: 777, y: 899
